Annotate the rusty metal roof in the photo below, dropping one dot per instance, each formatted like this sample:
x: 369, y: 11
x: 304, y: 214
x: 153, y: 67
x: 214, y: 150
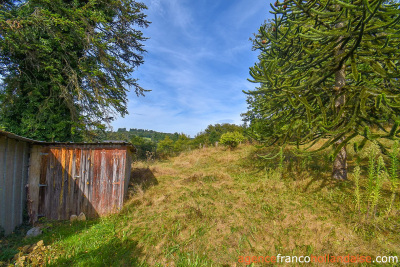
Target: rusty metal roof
x: 107, y: 142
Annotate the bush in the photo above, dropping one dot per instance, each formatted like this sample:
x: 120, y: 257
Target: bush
x: 231, y: 139
x: 144, y: 146
x: 165, y: 147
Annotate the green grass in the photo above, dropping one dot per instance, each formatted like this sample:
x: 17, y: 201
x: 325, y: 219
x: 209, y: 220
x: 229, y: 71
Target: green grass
x: 210, y: 206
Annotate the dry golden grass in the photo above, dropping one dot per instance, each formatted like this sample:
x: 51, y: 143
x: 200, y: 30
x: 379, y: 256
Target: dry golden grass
x: 218, y: 204
x: 210, y: 206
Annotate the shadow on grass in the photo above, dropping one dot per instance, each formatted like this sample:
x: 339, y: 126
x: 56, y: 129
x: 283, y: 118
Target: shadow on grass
x: 52, y: 231
x: 88, y: 243
x: 59, y: 231
x: 116, y: 252
x: 266, y: 157
x: 143, y: 178
x: 316, y: 168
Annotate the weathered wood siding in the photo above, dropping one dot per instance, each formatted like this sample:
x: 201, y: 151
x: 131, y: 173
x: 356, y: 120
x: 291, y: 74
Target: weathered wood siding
x: 14, y: 155
x: 82, y: 178
x: 57, y: 180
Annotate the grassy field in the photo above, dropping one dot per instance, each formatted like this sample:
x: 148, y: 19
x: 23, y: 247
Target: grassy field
x: 211, y: 206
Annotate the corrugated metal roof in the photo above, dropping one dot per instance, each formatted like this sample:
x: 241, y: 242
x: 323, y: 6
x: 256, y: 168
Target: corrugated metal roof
x: 17, y: 137
x: 107, y: 142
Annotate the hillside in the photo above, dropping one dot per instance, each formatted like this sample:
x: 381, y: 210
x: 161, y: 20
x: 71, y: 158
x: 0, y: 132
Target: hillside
x: 124, y: 134
x: 211, y: 206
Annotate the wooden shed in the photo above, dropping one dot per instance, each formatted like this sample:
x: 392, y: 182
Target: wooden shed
x: 14, y: 163
x: 63, y: 179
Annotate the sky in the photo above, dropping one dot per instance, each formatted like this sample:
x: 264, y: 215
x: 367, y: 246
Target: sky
x: 197, y: 64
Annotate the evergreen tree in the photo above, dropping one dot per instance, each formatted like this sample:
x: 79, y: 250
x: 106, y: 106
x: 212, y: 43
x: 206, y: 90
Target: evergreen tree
x: 66, y: 65
x: 327, y: 70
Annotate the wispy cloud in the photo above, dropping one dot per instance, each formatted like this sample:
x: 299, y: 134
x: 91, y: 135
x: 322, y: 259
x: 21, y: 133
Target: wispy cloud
x: 196, y: 66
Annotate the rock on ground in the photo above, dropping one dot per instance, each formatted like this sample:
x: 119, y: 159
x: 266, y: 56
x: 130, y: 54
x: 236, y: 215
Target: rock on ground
x: 35, y: 231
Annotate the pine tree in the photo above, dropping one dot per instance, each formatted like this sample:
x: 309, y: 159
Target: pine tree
x: 327, y: 70
x: 66, y: 65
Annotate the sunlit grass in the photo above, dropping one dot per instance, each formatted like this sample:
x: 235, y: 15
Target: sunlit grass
x: 210, y: 206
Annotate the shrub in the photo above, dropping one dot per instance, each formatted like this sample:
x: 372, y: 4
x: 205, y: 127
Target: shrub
x: 231, y: 139
x: 144, y: 146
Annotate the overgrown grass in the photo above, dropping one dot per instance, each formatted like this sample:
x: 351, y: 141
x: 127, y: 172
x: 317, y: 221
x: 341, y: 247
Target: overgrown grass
x: 210, y: 206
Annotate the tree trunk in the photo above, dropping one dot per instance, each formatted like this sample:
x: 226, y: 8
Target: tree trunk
x: 339, y: 170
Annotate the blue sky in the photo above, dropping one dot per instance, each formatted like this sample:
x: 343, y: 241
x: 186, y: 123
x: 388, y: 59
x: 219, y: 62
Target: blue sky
x: 197, y: 64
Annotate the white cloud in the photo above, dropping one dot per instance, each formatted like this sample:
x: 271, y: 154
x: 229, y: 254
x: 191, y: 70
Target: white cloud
x: 197, y: 64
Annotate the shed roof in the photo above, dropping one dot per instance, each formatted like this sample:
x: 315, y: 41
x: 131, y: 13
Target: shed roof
x: 24, y: 139
x: 17, y: 137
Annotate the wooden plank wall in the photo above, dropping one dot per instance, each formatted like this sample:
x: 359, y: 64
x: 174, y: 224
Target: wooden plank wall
x: 89, y: 179
x: 34, y: 181
x: 14, y: 155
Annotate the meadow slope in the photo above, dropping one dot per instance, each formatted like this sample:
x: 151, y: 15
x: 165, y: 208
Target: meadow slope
x: 210, y: 206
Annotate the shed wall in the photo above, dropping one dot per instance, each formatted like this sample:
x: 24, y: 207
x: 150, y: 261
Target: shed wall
x: 86, y: 178
x: 57, y: 180
x: 14, y: 155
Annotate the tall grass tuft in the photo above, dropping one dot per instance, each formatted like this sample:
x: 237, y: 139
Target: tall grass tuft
x: 376, y: 175
x: 357, y: 172
x: 375, y: 194
x: 281, y: 159
x: 372, y: 154
x: 394, y: 181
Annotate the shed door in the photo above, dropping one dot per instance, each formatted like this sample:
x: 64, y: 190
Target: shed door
x: 66, y: 187
x: 110, y: 175
x: 75, y: 180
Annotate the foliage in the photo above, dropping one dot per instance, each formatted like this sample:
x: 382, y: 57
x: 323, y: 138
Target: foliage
x: 128, y: 134
x: 213, y: 133
x: 67, y: 65
x: 143, y: 146
x: 169, y: 147
x: 165, y: 147
x: 164, y: 144
x: 375, y: 194
x: 302, y: 51
x: 232, y: 139
x: 394, y: 180
x: 182, y: 144
x: 374, y: 201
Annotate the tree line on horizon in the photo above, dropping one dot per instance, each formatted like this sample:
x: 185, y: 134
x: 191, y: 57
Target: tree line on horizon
x: 169, y: 144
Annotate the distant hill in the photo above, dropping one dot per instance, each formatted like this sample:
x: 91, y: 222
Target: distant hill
x: 126, y: 135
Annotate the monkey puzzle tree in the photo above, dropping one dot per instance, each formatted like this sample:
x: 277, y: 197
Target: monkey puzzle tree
x: 328, y: 69
x: 66, y: 65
